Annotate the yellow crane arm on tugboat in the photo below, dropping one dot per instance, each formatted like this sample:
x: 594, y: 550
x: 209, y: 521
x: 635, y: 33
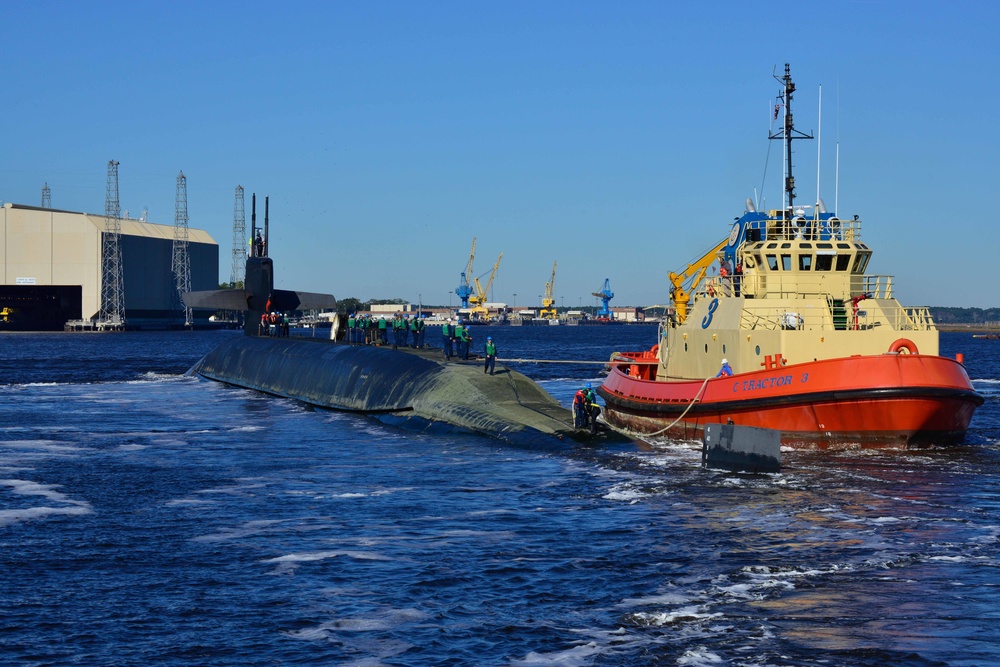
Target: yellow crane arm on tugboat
x: 683, y: 284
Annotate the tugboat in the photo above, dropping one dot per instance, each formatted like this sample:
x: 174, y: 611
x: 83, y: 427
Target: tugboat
x: 808, y: 343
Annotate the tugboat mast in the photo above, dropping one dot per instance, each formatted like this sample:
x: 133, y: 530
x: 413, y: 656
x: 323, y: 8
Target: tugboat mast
x: 787, y: 133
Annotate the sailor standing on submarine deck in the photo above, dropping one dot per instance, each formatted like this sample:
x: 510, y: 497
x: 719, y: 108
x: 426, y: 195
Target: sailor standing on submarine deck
x: 417, y: 327
x: 491, y: 356
x: 460, y: 339
x: 448, y: 339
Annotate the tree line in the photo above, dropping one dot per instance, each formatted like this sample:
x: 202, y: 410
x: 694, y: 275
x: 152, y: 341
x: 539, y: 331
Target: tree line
x: 948, y: 315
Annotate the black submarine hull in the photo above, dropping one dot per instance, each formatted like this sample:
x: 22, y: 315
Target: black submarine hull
x: 415, y: 389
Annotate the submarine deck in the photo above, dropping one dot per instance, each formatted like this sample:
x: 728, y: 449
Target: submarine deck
x: 416, y: 389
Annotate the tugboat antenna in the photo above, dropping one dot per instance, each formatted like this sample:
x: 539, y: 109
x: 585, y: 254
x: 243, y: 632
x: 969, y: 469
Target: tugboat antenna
x: 787, y: 133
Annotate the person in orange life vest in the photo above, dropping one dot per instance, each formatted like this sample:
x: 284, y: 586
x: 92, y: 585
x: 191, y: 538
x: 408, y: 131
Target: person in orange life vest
x: 579, y: 409
x: 726, y: 369
x: 725, y: 276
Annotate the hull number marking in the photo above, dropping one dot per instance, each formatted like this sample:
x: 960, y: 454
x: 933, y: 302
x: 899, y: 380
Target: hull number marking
x: 712, y: 307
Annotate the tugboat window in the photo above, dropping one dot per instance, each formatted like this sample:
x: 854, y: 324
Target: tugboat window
x: 757, y: 350
x: 824, y: 262
x: 772, y: 262
x: 861, y: 262
x: 843, y: 261
x: 786, y: 262
x: 805, y: 262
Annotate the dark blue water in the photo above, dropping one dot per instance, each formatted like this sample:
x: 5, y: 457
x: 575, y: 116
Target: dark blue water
x: 150, y: 518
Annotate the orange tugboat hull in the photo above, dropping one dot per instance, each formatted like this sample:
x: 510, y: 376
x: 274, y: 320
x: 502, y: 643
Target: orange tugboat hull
x: 884, y: 401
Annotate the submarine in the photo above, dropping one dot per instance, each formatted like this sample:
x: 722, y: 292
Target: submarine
x: 416, y: 389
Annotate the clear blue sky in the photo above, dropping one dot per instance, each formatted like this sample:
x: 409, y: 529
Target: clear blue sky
x: 620, y: 139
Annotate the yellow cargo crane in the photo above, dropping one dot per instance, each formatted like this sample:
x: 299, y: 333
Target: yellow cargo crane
x: 548, y: 310
x: 478, y: 308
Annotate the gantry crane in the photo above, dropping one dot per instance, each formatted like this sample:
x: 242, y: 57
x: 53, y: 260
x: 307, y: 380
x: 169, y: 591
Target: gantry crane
x: 478, y: 300
x: 548, y: 310
x: 464, y: 290
x: 605, y: 295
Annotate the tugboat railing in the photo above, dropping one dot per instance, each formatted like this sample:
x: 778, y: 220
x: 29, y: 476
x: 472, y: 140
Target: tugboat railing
x: 914, y: 319
x: 831, y: 229
x: 834, y: 318
x: 874, y: 286
x: 799, y: 285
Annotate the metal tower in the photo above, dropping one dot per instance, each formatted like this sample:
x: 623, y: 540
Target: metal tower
x: 112, y: 315
x: 46, y: 196
x: 239, y: 240
x: 182, y: 261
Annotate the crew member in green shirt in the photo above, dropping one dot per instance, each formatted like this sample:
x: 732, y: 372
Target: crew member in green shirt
x: 491, y: 356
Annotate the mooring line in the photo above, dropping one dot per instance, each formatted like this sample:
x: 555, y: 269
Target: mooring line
x: 571, y: 361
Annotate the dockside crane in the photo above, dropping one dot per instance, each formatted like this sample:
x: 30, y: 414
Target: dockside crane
x: 464, y: 290
x: 478, y: 300
x: 605, y: 295
x: 548, y: 310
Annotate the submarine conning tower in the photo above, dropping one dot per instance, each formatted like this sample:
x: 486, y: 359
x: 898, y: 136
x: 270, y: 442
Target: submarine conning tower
x: 259, y: 276
x: 259, y: 283
x: 258, y: 295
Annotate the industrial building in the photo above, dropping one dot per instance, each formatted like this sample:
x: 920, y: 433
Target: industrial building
x: 51, y: 269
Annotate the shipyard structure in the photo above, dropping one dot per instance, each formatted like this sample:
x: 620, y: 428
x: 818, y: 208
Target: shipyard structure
x: 51, y: 270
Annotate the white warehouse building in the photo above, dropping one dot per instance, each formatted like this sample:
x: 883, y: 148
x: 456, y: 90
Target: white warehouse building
x: 51, y: 269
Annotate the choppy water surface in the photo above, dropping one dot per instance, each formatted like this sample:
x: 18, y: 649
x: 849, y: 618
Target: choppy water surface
x: 150, y: 518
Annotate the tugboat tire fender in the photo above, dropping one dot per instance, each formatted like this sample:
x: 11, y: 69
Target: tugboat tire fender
x: 903, y: 344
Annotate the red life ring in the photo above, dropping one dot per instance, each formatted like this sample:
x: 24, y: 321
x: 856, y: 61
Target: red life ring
x: 903, y: 344
x: 655, y: 349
